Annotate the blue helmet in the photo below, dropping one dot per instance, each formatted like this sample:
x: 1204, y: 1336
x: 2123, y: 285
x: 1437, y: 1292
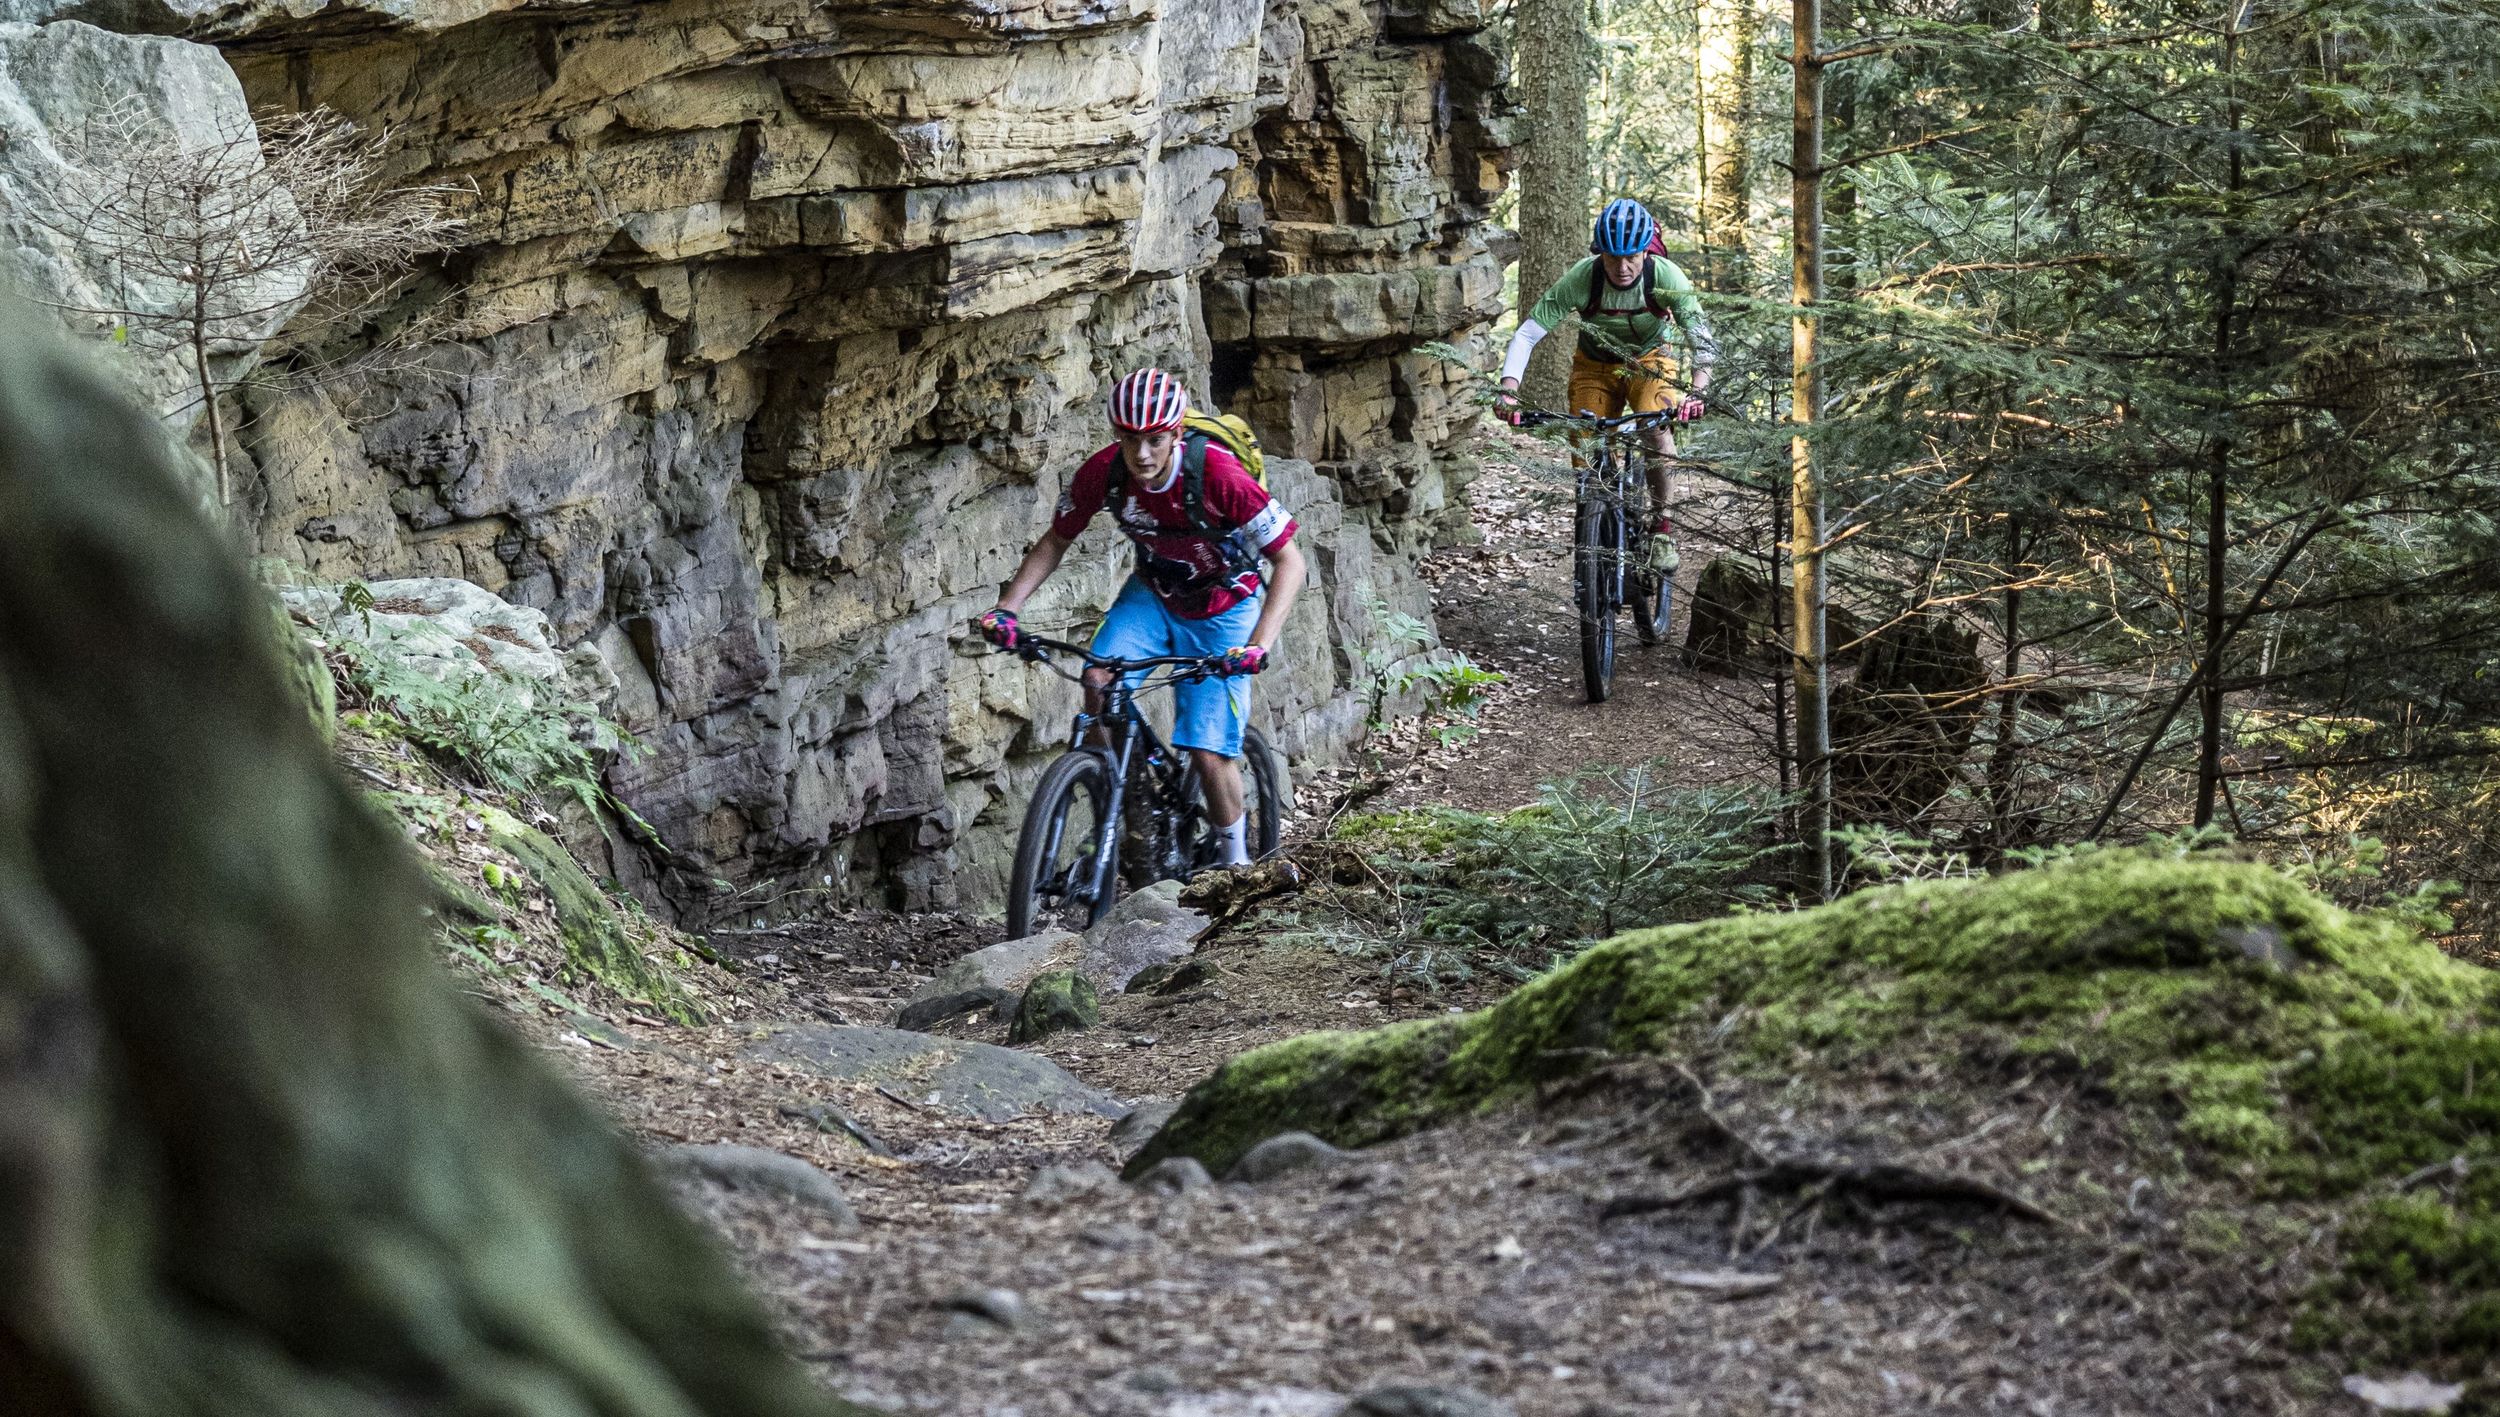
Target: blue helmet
x: 1625, y: 228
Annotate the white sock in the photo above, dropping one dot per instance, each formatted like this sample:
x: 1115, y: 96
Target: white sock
x: 1236, y: 841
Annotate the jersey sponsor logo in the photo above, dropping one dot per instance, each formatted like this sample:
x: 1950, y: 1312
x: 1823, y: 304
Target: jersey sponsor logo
x: 1267, y: 524
x: 1135, y: 519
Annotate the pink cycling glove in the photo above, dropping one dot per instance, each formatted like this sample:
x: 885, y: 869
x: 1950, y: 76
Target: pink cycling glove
x: 1000, y: 628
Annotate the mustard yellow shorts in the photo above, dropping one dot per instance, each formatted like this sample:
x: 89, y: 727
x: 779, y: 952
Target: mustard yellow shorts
x: 1612, y: 390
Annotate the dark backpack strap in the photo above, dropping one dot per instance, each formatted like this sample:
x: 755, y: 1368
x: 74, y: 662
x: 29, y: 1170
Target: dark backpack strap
x: 1658, y: 310
x: 1649, y: 291
x: 1194, y: 485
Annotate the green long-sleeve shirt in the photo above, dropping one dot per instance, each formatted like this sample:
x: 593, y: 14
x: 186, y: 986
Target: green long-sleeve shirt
x: 1623, y: 326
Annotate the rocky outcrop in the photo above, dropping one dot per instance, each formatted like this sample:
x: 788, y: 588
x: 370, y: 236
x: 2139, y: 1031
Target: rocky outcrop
x: 781, y: 325
x: 67, y: 86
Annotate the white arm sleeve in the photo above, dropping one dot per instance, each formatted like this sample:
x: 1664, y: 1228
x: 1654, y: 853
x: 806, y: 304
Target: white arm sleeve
x: 1522, y: 344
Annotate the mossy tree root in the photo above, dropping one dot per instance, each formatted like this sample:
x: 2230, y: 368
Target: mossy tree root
x: 2300, y: 1052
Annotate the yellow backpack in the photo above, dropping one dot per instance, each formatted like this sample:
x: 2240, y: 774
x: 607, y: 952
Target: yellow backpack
x: 1231, y: 430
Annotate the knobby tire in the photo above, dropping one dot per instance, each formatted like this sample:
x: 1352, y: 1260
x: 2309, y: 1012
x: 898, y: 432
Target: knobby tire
x: 1593, y: 587
x: 1045, y: 825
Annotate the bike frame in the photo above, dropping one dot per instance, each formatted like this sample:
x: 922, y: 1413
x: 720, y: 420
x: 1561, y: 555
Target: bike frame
x: 1610, y: 470
x: 1126, y: 727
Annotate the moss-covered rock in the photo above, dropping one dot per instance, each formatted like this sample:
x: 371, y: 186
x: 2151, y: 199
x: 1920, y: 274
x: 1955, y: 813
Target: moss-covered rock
x: 598, y: 941
x: 1061, y: 1001
x: 2299, y: 1051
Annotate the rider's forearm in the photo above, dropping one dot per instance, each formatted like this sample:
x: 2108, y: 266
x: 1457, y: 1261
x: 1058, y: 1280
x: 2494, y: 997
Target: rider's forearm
x: 1522, y: 344
x: 1705, y: 348
x: 1038, y: 563
x: 1286, y: 572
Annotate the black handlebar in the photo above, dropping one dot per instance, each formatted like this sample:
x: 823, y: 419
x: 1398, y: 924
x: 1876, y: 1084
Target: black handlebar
x: 1039, y: 648
x: 1531, y: 417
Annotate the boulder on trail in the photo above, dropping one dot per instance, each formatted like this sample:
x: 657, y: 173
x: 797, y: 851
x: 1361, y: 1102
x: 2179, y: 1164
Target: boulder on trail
x: 948, y: 1075
x: 923, y: 1014
x: 754, y: 1169
x: 1146, y: 928
x: 1001, y: 969
x: 1061, y: 1001
x: 1142, y: 1122
x: 2247, y: 1038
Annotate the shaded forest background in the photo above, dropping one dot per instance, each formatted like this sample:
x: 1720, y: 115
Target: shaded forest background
x: 2158, y: 412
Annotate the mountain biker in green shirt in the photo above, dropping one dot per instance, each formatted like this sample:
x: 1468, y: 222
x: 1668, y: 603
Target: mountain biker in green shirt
x: 1633, y: 303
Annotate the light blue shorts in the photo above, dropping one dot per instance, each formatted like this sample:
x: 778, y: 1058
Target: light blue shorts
x: 1210, y: 713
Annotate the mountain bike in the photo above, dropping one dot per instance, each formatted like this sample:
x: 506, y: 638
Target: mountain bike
x: 1122, y: 806
x: 1612, y: 527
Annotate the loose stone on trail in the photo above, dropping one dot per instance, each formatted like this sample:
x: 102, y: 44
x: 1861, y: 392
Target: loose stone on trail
x: 1062, y: 1001
x: 1175, y: 1175
x: 1054, y: 1184
x: 950, y: 1075
x: 1426, y: 1402
x: 1285, y: 1154
x: 754, y: 1169
x: 1142, y: 1122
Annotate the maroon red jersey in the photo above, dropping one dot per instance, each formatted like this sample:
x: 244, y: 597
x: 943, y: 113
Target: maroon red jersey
x: 1185, y: 567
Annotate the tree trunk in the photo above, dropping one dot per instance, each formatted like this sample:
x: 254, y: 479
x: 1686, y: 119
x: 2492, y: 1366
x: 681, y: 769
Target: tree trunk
x: 1812, y: 651
x: 215, y: 420
x: 257, y: 1156
x: 1724, y: 65
x: 1552, y: 41
x: 2003, y: 831
x: 2218, y: 470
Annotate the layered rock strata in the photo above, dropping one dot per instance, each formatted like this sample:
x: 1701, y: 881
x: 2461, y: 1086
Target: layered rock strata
x: 779, y: 326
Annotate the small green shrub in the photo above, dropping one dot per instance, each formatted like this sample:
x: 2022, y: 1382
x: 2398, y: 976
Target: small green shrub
x: 1455, y: 687
x: 1602, y: 852
x: 498, y: 729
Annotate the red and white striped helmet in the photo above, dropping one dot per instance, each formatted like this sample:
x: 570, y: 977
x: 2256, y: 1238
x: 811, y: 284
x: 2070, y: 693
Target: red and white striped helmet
x: 1148, y: 401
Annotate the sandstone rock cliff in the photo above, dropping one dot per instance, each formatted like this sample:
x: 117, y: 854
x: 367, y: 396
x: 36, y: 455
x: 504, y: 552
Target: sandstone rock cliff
x: 782, y: 325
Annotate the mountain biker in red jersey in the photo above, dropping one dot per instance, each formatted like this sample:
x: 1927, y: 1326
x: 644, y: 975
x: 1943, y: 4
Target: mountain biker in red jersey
x: 1197, y: 589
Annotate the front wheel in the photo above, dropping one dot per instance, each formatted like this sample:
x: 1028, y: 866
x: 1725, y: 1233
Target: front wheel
x: 1595, y: 563
x: 1060, y: 881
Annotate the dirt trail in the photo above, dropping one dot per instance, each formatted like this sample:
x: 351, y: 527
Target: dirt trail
x: 1476, y: 1257
x: 1506, y: 604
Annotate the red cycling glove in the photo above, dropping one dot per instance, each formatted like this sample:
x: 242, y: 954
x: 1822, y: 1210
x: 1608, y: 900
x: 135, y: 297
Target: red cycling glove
x: 1690, y: 409
x: 1248, y: 659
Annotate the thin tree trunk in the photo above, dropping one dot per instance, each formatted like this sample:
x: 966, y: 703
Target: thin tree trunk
x: 1780, y: 716
x: 1811, y: 648
x: 2002, y: 759
x: 216, y: 420
x: 1552, y: 42
x: 1723, y: 66
x: 2217, y: 497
